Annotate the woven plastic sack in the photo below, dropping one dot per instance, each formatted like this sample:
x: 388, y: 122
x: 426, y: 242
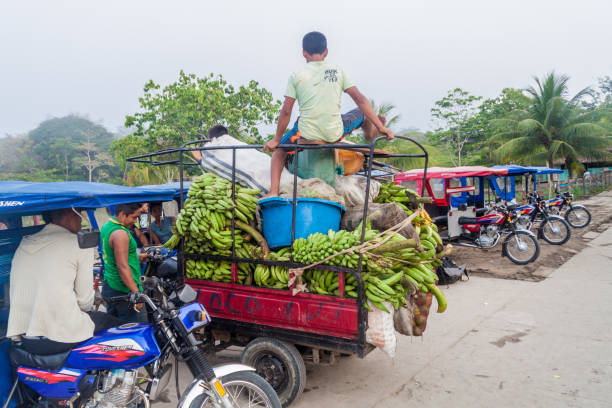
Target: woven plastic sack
x: 252, y: 166
x: 381, y: 331
x: 312, y: 188
x: 352, y: 189
x: 382, y: 216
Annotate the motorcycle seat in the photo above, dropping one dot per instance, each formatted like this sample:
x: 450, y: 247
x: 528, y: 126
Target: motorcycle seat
x: 51, y: 362
x: 468, y: 220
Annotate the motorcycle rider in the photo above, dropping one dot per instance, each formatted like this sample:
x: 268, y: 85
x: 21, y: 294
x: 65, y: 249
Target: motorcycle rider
x: 122, y: 262
x: 50, y: 306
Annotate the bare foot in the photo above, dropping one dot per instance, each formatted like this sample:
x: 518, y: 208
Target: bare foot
x: 383, y: 119
x: 369, y: 130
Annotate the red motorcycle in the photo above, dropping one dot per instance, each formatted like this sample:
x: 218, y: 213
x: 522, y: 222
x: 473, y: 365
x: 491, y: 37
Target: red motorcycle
x: 484, y: 232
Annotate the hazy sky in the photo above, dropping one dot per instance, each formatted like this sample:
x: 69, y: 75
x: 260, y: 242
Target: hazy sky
x: 93, y: 58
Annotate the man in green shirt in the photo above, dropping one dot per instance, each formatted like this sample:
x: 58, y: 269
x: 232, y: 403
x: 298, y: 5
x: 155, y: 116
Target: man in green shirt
x: 318, y: 88
x: 122, y: 262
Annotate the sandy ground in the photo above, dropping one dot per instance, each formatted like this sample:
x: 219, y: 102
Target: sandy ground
x: 530, y: 336
x: 490, y: 263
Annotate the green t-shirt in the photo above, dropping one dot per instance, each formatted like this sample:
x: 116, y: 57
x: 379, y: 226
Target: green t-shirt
x: 318, y: 88
x: 111, y: 272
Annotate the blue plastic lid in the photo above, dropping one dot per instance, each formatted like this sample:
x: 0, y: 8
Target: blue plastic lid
x: 275, y: 201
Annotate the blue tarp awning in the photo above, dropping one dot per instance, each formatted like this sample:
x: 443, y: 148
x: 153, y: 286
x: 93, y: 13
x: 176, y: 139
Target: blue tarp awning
x: 175, y: 186
x: 20, y: 197
x: 547, y: 170
x: 514, y: 169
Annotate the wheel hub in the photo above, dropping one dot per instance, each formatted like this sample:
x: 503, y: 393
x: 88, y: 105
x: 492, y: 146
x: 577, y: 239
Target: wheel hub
x: 271, y: 369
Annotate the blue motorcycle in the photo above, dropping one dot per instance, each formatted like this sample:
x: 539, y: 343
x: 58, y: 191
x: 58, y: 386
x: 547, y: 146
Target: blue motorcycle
x: 129, y: 365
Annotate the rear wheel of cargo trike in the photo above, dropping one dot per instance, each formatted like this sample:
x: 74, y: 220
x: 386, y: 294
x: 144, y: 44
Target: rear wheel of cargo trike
x: 280, y: 364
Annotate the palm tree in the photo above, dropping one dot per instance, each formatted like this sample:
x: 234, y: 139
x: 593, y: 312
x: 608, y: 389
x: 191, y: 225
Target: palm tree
x: 552, y: 128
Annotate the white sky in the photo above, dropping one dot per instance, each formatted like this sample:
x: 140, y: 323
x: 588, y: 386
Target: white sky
x: 93, y: 58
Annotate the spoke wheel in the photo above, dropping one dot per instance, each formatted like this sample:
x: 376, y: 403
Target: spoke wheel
x: 246, y: 390
x: 555, y: 231
x: 578, y: 217
x: 521, y: 247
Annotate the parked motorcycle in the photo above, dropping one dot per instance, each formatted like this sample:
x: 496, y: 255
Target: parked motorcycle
x: 520, y: 246
x: 552, y: 228
x: 128, y: 365
x: 576, y: 215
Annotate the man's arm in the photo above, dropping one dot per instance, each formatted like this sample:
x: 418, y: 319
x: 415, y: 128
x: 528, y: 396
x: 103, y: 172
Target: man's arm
x: 364, y: 106
x: 120, y: 242
x: 142, y: 237
x: 283, y: 122
x: 155, y: 238
x: 83, y: 282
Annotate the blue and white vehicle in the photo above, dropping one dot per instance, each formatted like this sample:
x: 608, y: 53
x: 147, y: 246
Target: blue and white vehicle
x: 125, y: 366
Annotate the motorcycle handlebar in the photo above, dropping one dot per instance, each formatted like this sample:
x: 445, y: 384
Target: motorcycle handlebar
x: 134, y: 297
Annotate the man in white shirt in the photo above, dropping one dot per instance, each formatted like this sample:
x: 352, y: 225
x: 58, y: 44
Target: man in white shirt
x: 51, y: 288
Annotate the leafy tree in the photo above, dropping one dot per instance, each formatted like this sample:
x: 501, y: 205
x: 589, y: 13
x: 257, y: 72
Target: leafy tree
x: 184, y: 110
x: 510, y: 101
x: 554, y: 127
x: 456, y: 126
x: 56, y: 144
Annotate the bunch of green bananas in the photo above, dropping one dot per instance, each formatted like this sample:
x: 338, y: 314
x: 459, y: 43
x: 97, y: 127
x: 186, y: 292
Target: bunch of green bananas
x: 406, y: 198
x: 391, y: 270
x: 319, y: 246
x: 328, y: 283
x: 215, y: 271
x: 273, y: 276
x: 205, y: 220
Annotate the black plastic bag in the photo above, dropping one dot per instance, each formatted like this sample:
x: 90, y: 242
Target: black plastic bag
x: 449, y: 273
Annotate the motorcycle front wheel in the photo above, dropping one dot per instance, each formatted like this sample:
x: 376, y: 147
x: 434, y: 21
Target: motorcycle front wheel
x: 521, y: 247
x: 245, y: 389
x: 578, y: 217
x: 555, y: 231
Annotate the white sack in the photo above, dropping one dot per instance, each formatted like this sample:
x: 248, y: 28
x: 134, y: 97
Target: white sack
x: 381, y: 329
x: 352, y: 189
x: 252, y: 166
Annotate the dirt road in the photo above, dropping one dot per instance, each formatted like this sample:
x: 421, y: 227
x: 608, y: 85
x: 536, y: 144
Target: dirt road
x: 488, y: 262
x: 530, y: 340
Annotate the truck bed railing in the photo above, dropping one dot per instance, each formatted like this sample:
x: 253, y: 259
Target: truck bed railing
x: 159, y: 158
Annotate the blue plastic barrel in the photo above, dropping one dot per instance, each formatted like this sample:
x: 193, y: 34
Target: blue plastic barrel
x: 312, y: 215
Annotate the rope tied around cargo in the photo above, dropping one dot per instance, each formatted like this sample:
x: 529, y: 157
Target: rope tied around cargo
x: 295, y: 274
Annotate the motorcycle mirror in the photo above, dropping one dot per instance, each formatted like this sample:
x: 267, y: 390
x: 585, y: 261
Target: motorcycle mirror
x: 187, y: 294
x: 88, y: 238
x: 144, y: 220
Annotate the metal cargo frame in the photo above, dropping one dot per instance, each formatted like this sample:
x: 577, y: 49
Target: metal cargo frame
x: 352, y: 340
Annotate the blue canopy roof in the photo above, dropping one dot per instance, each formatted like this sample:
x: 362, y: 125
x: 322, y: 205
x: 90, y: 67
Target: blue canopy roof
x: 514, y: 169
x: 20, y: 197
x: 546, y: 170
x: 175, y: 186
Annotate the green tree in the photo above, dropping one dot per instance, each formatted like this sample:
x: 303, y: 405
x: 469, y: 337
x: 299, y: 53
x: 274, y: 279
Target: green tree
x: 184, y: 110
x: 456, y: 127
x: 56, y: 144
x: 510, y: 101
x: 554, y: 127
